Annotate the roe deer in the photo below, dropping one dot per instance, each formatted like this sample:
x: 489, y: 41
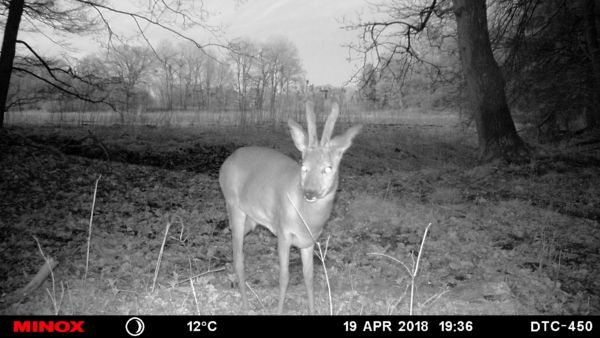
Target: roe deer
x: 260, y: 185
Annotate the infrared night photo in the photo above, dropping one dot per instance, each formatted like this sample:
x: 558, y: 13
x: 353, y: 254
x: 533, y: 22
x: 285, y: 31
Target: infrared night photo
x: 182, y: 167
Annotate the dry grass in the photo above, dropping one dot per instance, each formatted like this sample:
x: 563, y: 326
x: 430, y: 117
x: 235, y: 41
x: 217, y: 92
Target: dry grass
x: 223, y: 118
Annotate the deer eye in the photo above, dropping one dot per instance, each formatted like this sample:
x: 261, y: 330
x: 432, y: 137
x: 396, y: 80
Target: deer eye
x: 304, y: 168
x: 327, y: 170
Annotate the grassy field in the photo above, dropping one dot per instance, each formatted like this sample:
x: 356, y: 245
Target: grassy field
x: 218, y: 119
x: 504, y: 239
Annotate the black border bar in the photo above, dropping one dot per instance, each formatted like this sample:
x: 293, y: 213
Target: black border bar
x: 281, y: 326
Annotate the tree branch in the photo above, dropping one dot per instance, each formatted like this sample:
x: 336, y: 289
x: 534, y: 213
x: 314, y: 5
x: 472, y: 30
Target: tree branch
x: 135, y: 16
x: 386, y: 44
x: 64, y: 90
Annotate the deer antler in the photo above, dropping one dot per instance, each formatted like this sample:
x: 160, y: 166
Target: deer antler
x: 330, y: 124
x: 311, y: 125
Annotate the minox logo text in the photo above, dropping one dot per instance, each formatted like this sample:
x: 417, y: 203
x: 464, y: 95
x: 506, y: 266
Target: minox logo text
x: 61, y: 326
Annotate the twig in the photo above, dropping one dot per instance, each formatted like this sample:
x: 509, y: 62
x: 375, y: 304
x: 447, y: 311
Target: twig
x: 392, y: 258
x: 400, y: 298
x: 39, y: 277
x: 435, y: 297
x: 199, y: 275
x: 557, y: 271
x: 413, y: 273
x: 195, y: 297
x: 89, y: 239
x: 162, y: 247
x: 52, y: 295
x: 326, y: 274
x: 255, y: 295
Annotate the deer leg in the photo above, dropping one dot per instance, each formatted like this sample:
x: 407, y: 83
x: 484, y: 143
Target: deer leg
x: 307, y: 270
x: 283, y: 247
x: 237, y: 223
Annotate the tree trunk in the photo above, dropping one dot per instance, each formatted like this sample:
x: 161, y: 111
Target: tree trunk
x: 7, y: 55
x: 591, y: 37
x: 498, y: 138
x: 208, y: 85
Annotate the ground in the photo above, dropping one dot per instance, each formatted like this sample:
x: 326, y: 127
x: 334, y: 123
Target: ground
x: 504, y: 239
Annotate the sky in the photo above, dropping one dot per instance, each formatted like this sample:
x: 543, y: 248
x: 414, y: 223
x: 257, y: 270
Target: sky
x: 314, y: 26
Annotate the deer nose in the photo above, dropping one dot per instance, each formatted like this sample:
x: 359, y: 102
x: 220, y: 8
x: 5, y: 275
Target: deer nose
x: 311, y: 195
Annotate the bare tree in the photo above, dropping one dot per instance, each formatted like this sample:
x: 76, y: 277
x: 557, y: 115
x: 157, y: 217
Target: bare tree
x: 593, y: 47
x: 546, y: 53
x: 498, y: 137
x: 26, y: 91
x: 243, y: 55
x: 130, y: 66
x: 81, y: 16
x: 7, y: 55
x: 166, y: 55
x: 262, y: 76
x: 284, y: 68
x: 194, y: 75
x: 223, y: 80
x: 59, y: 17
x: 397, y: 38
x: 98, y: 82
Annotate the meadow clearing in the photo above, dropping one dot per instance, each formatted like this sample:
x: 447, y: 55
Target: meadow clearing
x: 504, y: 239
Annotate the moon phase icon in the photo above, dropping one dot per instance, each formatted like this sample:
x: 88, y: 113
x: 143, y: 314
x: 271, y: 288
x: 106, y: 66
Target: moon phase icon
x: 134, y: 326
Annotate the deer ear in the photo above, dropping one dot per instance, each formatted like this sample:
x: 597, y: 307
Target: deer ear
x: 298, y: 135
x: 342, y: 142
